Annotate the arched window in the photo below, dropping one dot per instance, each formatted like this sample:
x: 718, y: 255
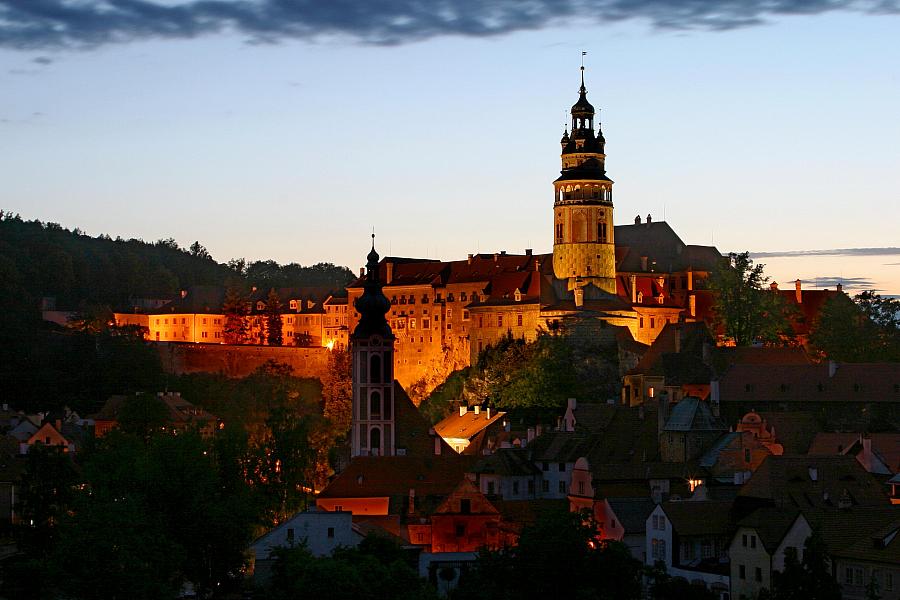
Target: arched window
x: 579, y: 228
x: 375, y: 369
x: 375, y: 405
x: 375, y: 441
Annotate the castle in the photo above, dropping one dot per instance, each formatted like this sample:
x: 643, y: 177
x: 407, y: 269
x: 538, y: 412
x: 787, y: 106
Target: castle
x: 639, y: 276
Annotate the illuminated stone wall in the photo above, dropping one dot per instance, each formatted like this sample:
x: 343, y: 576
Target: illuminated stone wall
x: 239, y: 361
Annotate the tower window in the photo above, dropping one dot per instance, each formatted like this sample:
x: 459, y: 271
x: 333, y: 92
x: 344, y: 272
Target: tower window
x: 375, y: 441
x: 375, y: 405
x: 601, y: 232
x: 559, y: 232
x: 375, y: 370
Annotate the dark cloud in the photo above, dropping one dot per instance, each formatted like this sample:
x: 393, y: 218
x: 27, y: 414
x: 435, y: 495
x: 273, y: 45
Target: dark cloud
x: 42, y: 60
x: 34, y: 24
x: 857, y: 283
x: 829, y: 252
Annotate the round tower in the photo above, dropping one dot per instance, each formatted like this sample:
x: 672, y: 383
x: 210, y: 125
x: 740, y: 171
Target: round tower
x: 584, y: 249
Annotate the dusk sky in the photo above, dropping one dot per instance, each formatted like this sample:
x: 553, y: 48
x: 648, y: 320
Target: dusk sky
x: 288, y: 130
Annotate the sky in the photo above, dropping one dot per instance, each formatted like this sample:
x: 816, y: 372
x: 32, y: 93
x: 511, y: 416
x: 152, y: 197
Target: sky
x: 290, y: 129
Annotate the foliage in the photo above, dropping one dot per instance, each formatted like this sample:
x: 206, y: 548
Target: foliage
x: 809, y: 578
x: 865, y: 329
x: 234, y: 308
x: 274, y: 333
x: 337, y: 392
x: 142, y: 415
x: 533, y: 376
x: 556, y: 557
x: 45, y: 495
x: 376, y: 569
x: 745, y: 311
x: 665, y: 587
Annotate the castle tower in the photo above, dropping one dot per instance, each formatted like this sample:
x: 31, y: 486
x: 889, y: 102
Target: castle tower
x: 584, y: 250
x: 372, y: 344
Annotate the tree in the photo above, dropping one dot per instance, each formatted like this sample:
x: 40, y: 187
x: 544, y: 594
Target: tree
x: 273, y: 319
x: 745, y: 311
x: 197, y: 250
x: 142, y: 415
x: 556, y: 557
x: 235, y: 309
x: 809, y: 578
x: 865, y: 329
x: 337, y: 392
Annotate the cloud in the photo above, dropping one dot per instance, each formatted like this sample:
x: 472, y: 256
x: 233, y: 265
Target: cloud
x: 829, y: 252
x: 38, y: 24
x: 42, y: 60
x: 856, y: 283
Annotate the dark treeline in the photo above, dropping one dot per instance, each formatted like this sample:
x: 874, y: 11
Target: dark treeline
x: 48, y: 260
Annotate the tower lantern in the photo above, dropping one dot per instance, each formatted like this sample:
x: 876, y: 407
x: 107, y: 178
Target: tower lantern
x: 583, y: 245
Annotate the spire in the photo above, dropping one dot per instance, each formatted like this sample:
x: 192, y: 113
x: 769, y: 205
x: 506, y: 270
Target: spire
x: 373, y: 305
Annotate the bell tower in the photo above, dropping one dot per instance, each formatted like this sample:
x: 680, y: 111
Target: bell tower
x: 584, y: 249
x: 372, y: 345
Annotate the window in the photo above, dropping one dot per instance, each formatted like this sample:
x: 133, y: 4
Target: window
x: 545, y: 466
x: 412, y: 323
x: 889, y: 582
x: 331, y: 532
x: 465, y: 315
x: 742, y: 571
x: 581, y: 488
x: 515, y: 488
x: 460, y: 530
x: 601, y: 232
x: 545, y: 486
x: 449, y: 313
x: 519, y: 319
x: 561, y: 467
x: 531, y: 487
x: 706, y: 549
x: 746, y: 455
x: 490, y: 487
x: 499, y: 319
x: 652, y: 323
x: 465, y: 506
x: 753, y: 541
x: 744, y: 540
x: 641, y: 323
x: 562, y: 487
x: 559, y: 232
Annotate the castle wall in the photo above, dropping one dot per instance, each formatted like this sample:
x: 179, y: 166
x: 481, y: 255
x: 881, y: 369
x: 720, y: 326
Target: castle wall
x: 239, y: 361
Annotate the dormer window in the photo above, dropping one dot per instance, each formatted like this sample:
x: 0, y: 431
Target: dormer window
x: 517, y: 295
x: 293, y: 304
x: 260, y: 305
x: 640, y: 297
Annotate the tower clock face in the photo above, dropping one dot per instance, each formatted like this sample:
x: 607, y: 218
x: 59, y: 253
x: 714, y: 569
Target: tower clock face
x: 376, y: 340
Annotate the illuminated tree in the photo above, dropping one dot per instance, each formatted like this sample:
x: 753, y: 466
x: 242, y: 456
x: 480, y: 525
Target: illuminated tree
x: 274, y: 335
x: 744, y: 310
x: 235, y: 309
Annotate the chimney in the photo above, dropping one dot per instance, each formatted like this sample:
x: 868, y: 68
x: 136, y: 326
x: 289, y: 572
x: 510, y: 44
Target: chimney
x: 579, y: 297
x: 643, y: 263
x: 58, y: 425
x: 637, y: 220
x: 692, y: 305
x: 496, y: 257
x: 470, y: 258
x: 798, y: 293
x: 527, y: 251
x: 813, y: 474
x: 437, y: 445
x: 184, y: 293
x: 773, y: 286
x: 487, y: 412
x: 362, y: 272
x: 537, y: 265
x: 530, y: 434
x: 840, y: 287
x: 463, y: 410
x: 477, y: 409
x: 412, y: 501
x: 649, y: 219
x: 503, y: 253
x: 389, y: 276
x: 832, y: 368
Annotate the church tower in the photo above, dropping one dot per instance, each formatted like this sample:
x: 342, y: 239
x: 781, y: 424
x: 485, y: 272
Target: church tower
x: 584, y: 250
x: 372, y: 347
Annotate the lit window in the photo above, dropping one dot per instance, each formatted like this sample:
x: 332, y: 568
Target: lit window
x: 519, y: 320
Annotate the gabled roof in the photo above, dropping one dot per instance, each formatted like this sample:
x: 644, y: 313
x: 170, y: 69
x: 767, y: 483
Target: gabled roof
x: 886, y: 446
x: 693, y: 414
x: 560, y: 446
x: 468, y: 425
x: 700, y: 517
x: 665, y: 251
x: 412, y: 429
x: 632, y: 513
x: 850, y: 382
x: 806, y: 482
x: 870, y: 533
x: 466, y: 490
x: 506, y: 462
x: 771, y: 525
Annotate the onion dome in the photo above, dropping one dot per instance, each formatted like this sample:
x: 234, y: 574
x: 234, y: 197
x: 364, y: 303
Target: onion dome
x: 373, y: 305
x: 582, y: 108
